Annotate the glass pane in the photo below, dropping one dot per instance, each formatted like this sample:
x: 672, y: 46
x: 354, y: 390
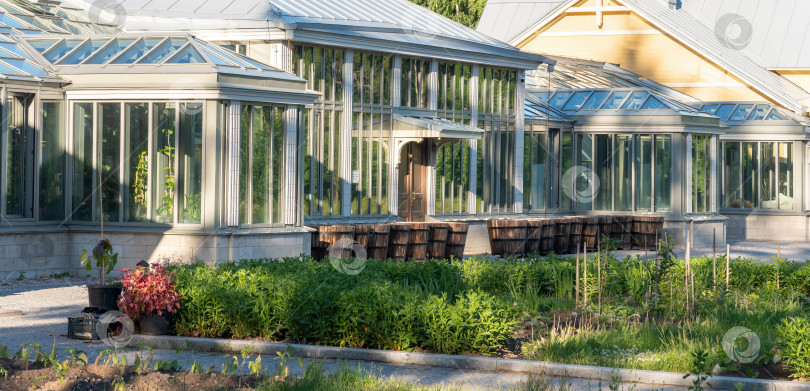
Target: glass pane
x: 277, y: 153
x: 83, y: 52
x: 711, y: 109
x: 724, y: 111
x: 759, y: 113
x: 663, y: 170
x: 136, y: 51
x: 595, y: 100
x: 109, y: 51
x: 576, y: 101
x: 567, y: 154
x: 165, y: 50
x: 603, y: 162
x: 768, y: 190
x: 644, y: 176
x: 52, y: 173
x: 136, y: 165
x: 731, y: 175
x: 700, y: 173
x: 615, y: 100
x: 187, y: 55
x: 635, y: 100
x: 750, y: 174
x: 260, y: 173
x: 775, y: 115
x: 653, y: 104
x: 583, y: 187
x: 741, y: 113
x: 559, y: 99
x: 786, y: 176
x: 41, y: 45
x: 190, y: 163
x: 163, y: 181
x: 244, y: 164
x: 61, y: 49
x: 623, y: 172
x: 20, y: 157
x: 82, y: 162
x: 535, y: 170
x: 109, y: 117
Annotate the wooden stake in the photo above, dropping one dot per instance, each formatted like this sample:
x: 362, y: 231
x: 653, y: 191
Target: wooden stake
x: 576, y: 295
x: 728, y: 264
x: 585, y: 291
x: 686, y: 276
x: 599, y: 272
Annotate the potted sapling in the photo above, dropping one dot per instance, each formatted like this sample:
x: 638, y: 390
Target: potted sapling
x: 106, y: 291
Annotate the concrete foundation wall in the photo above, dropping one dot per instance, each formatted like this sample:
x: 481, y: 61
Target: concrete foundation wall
x: 768, y: 227
x: 46, y: 253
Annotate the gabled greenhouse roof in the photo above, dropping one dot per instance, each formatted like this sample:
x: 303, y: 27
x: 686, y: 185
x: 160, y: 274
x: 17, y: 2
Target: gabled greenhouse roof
x: 751, y: 113
x: 537, y: 109
x: 135, y: 53
x: 615, y: 101
x: 17, y: 63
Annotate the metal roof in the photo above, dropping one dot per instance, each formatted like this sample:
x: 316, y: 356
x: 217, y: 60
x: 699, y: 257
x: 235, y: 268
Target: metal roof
x: 398, y: 21
x: 111, y: 54
x: 621, y: 101
x: 778, y: 31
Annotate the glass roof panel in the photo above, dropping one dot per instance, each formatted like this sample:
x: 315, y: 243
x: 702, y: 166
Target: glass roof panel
x: 233, y: 57
x: 110, y: 51
x: 26, y: 67
x: 636, y: 100
x: 37, y: 23
x: 67, y: 26
x: 137, y: 50
x: 595, y: 100
x: 12, y: 50
x: 741, y: 113
x: 217, y: 59
x: 615, y: 99
x: 775, y: 115
x: 542, y: 95
x: 759, y: 113
x: 163, y: 51
x: 42, y: 45
x: 61, y: 49
x: 711, y: 109
x: 654, y: 104
x: 558, y: 99
x: 5, y: 69
x: 576, y: 100
x: 11, y: 22
x: 187, y: 55
x: 724, y: 111
x: 83, y: 52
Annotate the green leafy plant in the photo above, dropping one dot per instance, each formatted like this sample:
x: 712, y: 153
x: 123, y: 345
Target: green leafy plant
x: 699, y: 371
x: 794, y: 334
x: 105, y: 258
x: 166, y: 208
x: 139, y: 184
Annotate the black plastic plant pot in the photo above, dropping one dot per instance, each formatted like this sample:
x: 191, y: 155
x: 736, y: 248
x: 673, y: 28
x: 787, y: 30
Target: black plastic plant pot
x: 104, y: 296
x: 154, y: 324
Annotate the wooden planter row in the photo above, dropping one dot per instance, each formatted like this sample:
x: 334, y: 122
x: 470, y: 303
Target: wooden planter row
x: 397, y: 241
x: 565, y: 235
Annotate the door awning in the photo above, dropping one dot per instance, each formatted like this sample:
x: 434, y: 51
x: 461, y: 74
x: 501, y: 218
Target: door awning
x: 423, y: 127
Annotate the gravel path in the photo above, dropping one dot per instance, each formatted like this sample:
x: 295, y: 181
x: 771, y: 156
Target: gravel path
x: 36, y: 311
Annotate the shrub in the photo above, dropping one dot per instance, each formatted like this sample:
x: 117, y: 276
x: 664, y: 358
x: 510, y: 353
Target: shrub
x: 794, y: 334
x: 147, y: 290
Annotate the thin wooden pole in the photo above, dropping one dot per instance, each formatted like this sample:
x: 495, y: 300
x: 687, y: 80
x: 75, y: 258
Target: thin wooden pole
x: 714, y: 255
x: 687, y: 271
x: 728, y: 264
x: 599, y: 271
x: 576, y: 296
x: 585, y: 291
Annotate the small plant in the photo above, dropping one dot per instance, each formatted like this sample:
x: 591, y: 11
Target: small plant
x: 794, y: 335
x: 699, y: 371
x: 105, y: 258
x: 147, y: 290
x: 166, y: 366
x: 231, y: 365
x: 4, y: 352
x: 21, y: 276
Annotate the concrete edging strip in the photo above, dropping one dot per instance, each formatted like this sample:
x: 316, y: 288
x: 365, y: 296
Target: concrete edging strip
x: 462, y: 362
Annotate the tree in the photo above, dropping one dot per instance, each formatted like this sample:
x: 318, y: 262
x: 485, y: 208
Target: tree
x: 466, y: 12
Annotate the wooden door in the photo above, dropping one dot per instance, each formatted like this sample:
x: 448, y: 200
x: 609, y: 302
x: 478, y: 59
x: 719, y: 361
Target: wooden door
x: 412, y: 187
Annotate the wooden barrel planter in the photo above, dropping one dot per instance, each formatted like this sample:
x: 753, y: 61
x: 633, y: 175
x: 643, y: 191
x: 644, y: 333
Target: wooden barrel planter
x: 534, y: 233
x: 547, y: 228
x: 562, y: 234
x: 437, y: 240
x: 328, y: 235
x: 575, y: 237
x: 398, y: 237
x: 507, y: 237
x: 590, y: 231
x: 623, y: 231
x: 362, y: 233
x: 317, y: 250
x: 418, y: 242
x: 377, y: 247
x: 605, y: 227
x: 456, y: 240
x: 647, y: 231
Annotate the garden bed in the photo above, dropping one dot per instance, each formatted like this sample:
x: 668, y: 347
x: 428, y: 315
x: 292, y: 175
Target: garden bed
x: 511, y: 308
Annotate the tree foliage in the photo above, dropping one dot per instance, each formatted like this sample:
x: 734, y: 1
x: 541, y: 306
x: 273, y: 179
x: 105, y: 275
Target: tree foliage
x: 466, y: 12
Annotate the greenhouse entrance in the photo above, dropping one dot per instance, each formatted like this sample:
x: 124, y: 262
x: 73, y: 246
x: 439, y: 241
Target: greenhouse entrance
x: 412, y: 184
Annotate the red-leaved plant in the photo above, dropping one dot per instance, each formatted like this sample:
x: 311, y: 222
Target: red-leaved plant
x: 146, y: 290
